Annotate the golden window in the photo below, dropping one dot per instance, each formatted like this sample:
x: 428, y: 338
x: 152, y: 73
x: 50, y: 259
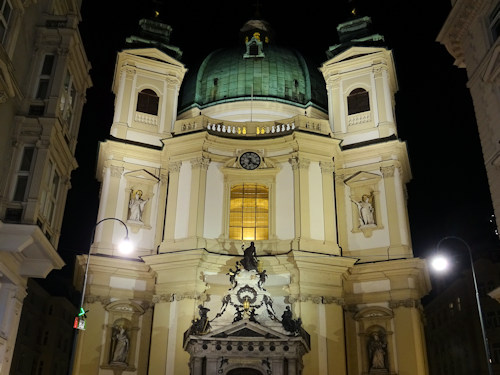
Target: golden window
x: 249, y: 212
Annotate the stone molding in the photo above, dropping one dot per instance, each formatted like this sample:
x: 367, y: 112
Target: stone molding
x: 317, y: 300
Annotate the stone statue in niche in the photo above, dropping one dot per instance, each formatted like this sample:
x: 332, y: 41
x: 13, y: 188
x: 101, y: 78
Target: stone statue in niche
x: 136, y: 206
x: 365, y: 210
x: 377, y: 351
x: 120, y: 346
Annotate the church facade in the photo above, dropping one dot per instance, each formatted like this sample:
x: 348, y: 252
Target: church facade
x: 265, y: 197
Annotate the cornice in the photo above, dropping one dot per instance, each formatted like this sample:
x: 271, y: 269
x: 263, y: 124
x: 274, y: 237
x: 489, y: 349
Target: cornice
x: 458, y: 23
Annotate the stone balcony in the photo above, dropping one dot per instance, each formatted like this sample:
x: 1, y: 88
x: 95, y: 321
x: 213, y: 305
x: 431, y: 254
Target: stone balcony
x: 265, y: 129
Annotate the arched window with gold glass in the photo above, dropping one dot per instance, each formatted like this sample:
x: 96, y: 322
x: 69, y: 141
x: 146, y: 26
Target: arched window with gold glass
x: 249, y: 212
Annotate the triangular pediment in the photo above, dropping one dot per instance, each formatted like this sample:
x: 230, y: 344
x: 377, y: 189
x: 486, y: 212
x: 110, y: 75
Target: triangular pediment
x: 154, y: 54
x: 246, y: 329
x: 354, y: 52
x: 362, y: 178
x: 142, y: 174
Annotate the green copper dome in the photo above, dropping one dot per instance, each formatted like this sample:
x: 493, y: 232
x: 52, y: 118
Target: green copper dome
x: 268, y: 73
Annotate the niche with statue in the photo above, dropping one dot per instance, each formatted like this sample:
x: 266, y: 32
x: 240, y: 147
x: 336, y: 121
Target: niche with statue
x: 365, y: 202
x: 139, y: 192
x: 122, y: 336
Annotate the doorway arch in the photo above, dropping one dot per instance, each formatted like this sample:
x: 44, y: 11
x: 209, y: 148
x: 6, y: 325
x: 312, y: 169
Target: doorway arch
x: 244, y: 371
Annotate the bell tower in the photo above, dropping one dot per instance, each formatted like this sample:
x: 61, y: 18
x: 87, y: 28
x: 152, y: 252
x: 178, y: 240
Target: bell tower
x: 146, y: 83
x: 361, y: 83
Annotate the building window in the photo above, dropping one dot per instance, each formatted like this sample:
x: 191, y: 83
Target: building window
x: 68, y: 99
x: 358, y: 101
x: 44, y: 78
x: 23, y: 174
x: 249, y: 212
x: 496, y: 352
x: 5, y: 12
x: 147, y: 102
x: 50, y: 193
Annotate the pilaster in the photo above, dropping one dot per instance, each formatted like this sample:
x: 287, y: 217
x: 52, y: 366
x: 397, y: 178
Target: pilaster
x: 108, y: 206
x: 300, y: 167
x: 397, y: 249
x: 408, y: 323
x: 341, y: 210
x: 199, y: 168
x: 178, y: 291
x: 329, y: 217
x: 319, y: 303
x: 173, y: 190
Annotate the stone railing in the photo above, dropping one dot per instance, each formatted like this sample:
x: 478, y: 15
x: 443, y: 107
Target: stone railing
x: 359, y: 118
x: 145, y: 118
x: 252, y: 129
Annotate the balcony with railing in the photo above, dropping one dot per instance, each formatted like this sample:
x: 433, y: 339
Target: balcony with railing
x: 265, y: 129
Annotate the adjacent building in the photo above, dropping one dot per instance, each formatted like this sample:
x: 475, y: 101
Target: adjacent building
x: 266, y: 199
x: 453, y: 350
x: 45, y: 336
x: 44, y: 74
x: 470, y: 34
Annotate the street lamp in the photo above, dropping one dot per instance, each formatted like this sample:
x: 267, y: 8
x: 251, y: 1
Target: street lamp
x: 440, y: 263
x: 125, y: 247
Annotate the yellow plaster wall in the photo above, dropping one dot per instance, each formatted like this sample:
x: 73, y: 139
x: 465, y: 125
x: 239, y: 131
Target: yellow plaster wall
x: 410, y: 352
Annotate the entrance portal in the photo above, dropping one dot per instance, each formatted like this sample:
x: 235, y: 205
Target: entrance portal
x: 244, y: 371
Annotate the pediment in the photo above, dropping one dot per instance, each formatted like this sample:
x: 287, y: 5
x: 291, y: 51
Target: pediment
x: 374, y: 313
x: 142, y: 174
x: 362, y: 178
x: 124, y: 307
x: 353, y: 52
x: 246, y: 329
x: 154, y: 54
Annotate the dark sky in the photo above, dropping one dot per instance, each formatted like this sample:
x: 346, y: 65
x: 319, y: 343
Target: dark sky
x: 448, y: 194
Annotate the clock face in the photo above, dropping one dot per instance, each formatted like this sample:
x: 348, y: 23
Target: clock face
x: 249, y: 160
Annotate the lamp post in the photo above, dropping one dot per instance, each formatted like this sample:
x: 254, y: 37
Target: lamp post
x: 125, y: 247
x: 440, y: 263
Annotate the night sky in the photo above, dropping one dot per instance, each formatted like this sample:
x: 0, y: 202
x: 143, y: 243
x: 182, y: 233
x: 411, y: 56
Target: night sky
x: 448, y: 194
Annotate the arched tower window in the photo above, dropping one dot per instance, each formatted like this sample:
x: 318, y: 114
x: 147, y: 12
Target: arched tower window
x: 147, y: 102
x: 249, y: 212
x: 358, y: 101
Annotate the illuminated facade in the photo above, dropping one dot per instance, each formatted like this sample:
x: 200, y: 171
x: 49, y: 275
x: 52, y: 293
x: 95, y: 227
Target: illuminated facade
x: 266, y: 199
x: 470, y: 34
x: 44, y: 74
